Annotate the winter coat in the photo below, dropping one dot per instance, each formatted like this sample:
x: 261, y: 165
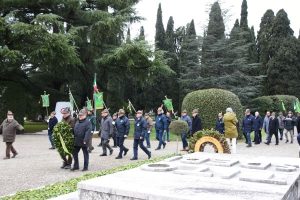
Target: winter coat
x: 107, y: 128
x: 273, y: 125
x: 169, y: 120
x: 52, y: 122
x: 248, y: 123
x: 188, y: 120
x: 196, y: 124
x: 257, y: 123
x: 140, y: 128
x: 70, y: 121
x: 230, y: 122
x: 9, y: 130
x: 266, y: 124
x: 149, y: 124
x: 280, y: 121
x: 161, y: 123
x: 123, y: 126
x: 82, y: 132
x: 289, y: 123
x: 220, y: 126
x: 92, y: 119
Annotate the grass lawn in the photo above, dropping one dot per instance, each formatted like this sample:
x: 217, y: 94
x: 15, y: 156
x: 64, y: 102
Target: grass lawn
x: 33, y: 127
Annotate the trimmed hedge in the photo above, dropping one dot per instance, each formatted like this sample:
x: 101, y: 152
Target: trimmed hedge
x: 178, y: 126
x: 272, y: 103
x: 210, y: 102
x: 69, y: 186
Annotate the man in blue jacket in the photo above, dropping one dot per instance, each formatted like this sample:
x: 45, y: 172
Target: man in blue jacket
x: 188, y: 120
x: 123, y: 126
x: 248, y: 126
x: 257, y: 126
x: 82, y: 134
x: 52, y: 122
x: 161, y: 126
x: 140, y: 130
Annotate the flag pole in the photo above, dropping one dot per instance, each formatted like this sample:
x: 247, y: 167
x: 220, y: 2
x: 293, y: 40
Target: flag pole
x: 95, y: 110
x: 131, y: 105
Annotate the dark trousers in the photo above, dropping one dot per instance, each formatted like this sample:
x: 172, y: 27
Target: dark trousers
x: 85, y: 156
x: 91, y: 148
x: 10, y: 148
x: 248, y: 134
x: 166, y: 136
x: 147, y: 138
x: 281, y: 133
x: 115, y: 140
x: 121, y: 145
x: 136, y: 144
x: 159, y: 137
x: 184, y: 140
x: 298, y: 138
x: 50, y: 138
x: 105, y: 146
x: 257, y: 137
x: 271, y: 135
x: 246, y: 138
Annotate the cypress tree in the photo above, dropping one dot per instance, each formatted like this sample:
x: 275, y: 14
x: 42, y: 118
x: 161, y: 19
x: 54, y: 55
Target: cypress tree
x: 142, y: 33
x: 244, y: 15
x: 128, y: 36
x: 160, y: 30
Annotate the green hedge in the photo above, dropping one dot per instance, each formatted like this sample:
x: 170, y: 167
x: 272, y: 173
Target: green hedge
x: 211, y: 102
x: 272, y: 103
x: 69, y: 186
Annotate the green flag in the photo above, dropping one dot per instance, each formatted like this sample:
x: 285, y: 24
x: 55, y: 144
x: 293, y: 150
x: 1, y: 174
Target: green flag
x: 45, y: 100
x: 282, y: 106
x: 98, y: 100
x: 89, y: 104
x: 168, y: 104
x: 71, y: 101
x: 297, y: 105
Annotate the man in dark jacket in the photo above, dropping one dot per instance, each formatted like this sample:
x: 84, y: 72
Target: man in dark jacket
x: 107, y: 130
x: 220, y: 124
x: 140, y: 130
x: 196, y: 122
x: 257, y: 126
x: 161, y: 126
x: 273, y: 128
x: 187, y: 119
x: 82, y: 134
x: 9, y: 128
x: 123, y: 127
x: 248, y: 126
x: 114, y: 136
x: 52, y: 122
x: 289, y: 123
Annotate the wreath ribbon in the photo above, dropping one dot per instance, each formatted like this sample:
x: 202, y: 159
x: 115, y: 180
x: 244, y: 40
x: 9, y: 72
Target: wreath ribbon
x: 63, y: 144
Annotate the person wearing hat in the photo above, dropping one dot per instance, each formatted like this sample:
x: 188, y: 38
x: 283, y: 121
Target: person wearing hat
x: 68, y: 119
x: 289, y: 123
x: 91, y: 117
x: 82, y: 134
x: 140, y: 130
x: 9, y: 128
x: 149, y: 121
x: 196, y: 122
x: 160, y: 127
x: 114, y: 136
x: 52, y: 122
x: 123, y: 127
x: 188, y: 120
x: 107, y: 130
x: 230, y: 124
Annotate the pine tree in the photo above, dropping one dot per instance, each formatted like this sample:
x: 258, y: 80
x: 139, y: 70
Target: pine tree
x: 160, y: 30
x: 244, y: 15
x: 128, y: 36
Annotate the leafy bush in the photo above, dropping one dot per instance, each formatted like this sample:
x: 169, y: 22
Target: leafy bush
x: 69, y: 186
x: 212, y: 133
x: 34, y: 127
x: 67, y: 135
x: 178, y: 126
x: 272, y: 103
x: 211, y: 102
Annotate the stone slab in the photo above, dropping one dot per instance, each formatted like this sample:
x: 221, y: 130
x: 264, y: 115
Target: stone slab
x: 223, y: 162
x: 256, y: 165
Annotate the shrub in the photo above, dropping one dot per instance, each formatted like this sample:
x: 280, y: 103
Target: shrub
x: 178, y: 126
x: 211, y: 102
x: 272, y: 103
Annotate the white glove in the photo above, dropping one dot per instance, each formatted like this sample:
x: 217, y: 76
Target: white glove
x: 125, y: 136
x: 149, y: 131
x: 113, y: 123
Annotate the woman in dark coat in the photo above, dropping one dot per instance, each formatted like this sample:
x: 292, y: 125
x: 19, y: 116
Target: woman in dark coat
x: 220, y: 124
x: 9, y: 128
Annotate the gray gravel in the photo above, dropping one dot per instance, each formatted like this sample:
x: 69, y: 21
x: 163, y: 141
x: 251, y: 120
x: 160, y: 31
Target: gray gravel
x: 36, y: 165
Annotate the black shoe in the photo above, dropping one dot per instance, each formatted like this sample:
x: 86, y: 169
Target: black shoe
x: 103, y: 154
x: 148, y: 147
x: 90, y: 151
x: 111, y: 152
x: 157, y: 148
x: 63, y: 165
x: 75, y: 168
x: 133, y: 158
x: 84, y: 169
x: 249, y: 145
x: 164, y: 145
x: 286, y: 141
x: 118, y: 157
x: 67, y: 167
x: 52, y: 148
x: 149, y: 155
x: 14, y: 155
x: 276, y: 144
x: 267, y: 143
x: 125, y: 152
x: 100, y: 145
x: 291, y: 142
x: 280, y: 138
x: 114, y: 146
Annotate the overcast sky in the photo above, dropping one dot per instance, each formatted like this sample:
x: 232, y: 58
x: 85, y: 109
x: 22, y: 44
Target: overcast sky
x: 183, y: 11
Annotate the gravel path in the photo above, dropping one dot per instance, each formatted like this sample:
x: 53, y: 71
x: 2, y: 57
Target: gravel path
x: 36, y: 165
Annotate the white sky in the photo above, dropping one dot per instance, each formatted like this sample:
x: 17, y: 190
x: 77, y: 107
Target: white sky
x: 183, y: 11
